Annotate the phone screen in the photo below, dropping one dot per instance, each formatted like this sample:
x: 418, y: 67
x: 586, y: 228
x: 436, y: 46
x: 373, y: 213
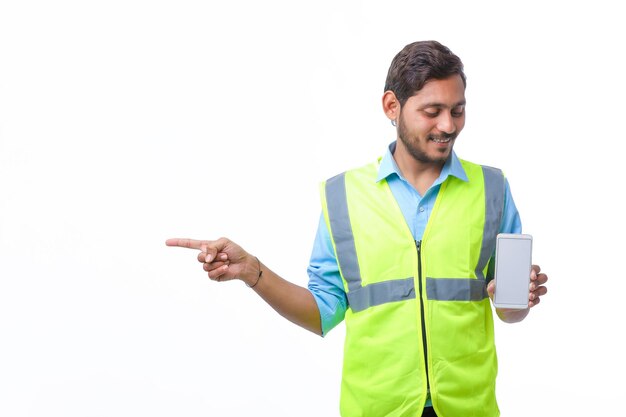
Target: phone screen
x: 513, y: 263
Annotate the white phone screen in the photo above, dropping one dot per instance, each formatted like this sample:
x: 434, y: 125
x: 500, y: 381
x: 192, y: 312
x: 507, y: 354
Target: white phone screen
x: 512, y: 272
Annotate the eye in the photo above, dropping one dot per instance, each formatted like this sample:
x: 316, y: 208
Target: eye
x: 457, y: 111
x: 432, y: 112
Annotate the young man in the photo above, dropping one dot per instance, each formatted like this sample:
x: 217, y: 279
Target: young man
x: 402, y: 254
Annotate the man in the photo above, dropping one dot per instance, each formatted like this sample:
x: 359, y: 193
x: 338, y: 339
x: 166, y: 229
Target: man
x: 403, y: 253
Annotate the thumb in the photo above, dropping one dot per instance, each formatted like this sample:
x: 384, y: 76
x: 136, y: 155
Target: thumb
x: 211, y: 251
x: 212, y: 248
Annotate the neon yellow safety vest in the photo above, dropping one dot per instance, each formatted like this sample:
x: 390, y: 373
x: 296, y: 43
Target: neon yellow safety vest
x: 419, y: 319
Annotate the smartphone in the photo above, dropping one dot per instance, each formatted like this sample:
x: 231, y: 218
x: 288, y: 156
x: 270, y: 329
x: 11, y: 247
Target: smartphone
x: 512, y: 271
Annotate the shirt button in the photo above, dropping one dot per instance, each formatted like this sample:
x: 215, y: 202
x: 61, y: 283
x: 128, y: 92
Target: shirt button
x: 421, y: 209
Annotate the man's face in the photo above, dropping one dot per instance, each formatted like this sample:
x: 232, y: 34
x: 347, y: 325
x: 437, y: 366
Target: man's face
x: 431, y: 120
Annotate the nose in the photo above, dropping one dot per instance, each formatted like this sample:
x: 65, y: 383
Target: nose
x: 445, y: 123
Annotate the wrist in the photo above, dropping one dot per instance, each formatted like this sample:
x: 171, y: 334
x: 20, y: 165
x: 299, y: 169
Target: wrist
x: 256, y: 274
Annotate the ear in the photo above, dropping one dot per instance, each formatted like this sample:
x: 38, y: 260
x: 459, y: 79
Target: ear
x: 391, y: 105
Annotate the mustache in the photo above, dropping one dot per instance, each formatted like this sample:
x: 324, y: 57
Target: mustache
x: 443, y: 136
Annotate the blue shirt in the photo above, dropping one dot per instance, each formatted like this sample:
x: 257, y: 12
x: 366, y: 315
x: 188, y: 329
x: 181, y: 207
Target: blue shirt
x: 324, y: 279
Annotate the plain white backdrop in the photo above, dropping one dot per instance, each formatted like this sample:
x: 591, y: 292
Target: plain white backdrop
x: 124, y: 123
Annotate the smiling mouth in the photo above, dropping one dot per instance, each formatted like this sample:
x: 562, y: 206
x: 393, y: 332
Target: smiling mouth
x: 444, y: 139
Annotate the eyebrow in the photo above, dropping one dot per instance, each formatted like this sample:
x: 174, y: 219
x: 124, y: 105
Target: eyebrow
x: 442, y: 106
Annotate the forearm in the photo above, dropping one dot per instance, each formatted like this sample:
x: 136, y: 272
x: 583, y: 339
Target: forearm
x: 291, y: 301
x: 224, y: 260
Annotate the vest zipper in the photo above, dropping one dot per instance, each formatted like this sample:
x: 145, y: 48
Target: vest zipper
x: 418, y: 244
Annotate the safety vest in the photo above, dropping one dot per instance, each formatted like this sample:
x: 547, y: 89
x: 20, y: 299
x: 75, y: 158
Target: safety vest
x: 419, y: 319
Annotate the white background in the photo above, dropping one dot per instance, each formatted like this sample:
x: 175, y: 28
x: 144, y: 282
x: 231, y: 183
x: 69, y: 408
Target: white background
x: 123, y: 123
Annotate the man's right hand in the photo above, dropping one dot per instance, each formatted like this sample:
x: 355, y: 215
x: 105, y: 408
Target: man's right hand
x: 222, y: 259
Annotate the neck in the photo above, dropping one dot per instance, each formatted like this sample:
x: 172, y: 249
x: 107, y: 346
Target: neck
x: 420, y: 174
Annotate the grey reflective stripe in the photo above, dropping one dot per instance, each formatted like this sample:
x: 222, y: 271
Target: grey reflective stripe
x: 381, y: 293
x: 359, y: 297
x: 341, y: 229
x: 494, y: 206
x: 442, y: 289
x: 456, y: 289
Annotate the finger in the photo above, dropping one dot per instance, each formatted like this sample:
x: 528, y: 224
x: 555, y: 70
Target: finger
x: 214, y: 265
x: 534, y: 302
x: 221, y: 256
x: 491, y: 288
x: 214, y: 248
x: 535, y: 269
x: 536, y: 272
x: 219, y: 274
x: 534, y: 295
x: 542, y: 279
x: 187, y: 243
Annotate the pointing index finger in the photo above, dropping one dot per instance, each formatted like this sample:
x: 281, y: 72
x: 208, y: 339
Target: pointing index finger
x: 187, y: 243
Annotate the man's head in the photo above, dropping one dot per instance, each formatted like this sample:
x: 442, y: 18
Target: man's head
x: 417, y: 63
x: 425, y: 98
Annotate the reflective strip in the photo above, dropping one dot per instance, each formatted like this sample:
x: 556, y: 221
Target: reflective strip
x: 359, y: 297
x: 381, y: 293
x: 442, y: 289
x: 494, y: 206
x: 341, y: 229
x: 456, y: 289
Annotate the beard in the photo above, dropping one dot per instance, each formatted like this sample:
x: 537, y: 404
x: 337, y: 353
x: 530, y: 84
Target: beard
x: 417, y: 149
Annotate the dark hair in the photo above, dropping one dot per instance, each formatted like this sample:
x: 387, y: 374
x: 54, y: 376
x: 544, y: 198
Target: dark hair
x: 417, y: 63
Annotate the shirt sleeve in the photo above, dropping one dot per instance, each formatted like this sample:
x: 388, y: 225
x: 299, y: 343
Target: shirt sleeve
x: 325, y: 280
x: 511, y: 222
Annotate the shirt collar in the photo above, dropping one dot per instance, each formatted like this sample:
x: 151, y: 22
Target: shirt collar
x: 389, y: 167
